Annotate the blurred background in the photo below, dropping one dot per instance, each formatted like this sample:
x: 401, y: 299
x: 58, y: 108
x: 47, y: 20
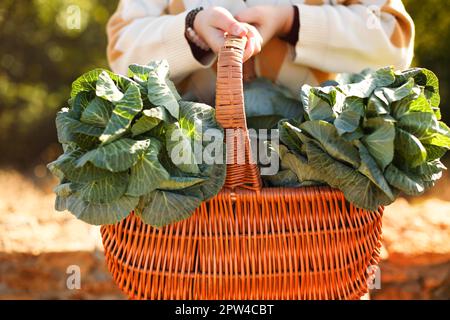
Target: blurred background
x: 45, y: 45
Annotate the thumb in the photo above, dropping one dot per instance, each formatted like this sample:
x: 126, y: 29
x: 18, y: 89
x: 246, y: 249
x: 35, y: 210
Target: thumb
x: 227, y: 23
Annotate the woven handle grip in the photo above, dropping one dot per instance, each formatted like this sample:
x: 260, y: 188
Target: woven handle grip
x: 242, y: 171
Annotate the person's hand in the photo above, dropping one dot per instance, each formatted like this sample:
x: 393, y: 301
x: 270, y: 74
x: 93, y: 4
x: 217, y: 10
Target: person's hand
x: 212, y: 23
x: 254, y: 42
x: 271, y: 21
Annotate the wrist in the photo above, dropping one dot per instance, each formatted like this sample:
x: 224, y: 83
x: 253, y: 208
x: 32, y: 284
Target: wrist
x: 287, y: 14
x: 191, y: 35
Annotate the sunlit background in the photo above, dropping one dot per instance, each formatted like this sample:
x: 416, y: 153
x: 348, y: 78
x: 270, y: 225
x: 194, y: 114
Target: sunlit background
x: 44, y: 46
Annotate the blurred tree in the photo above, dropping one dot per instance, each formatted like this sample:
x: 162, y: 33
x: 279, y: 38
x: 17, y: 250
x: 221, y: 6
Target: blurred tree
x: 432, y: 42
x: 45, y: 45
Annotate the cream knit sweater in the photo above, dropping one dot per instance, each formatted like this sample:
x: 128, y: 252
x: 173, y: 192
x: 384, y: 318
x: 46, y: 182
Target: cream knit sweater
x: 335, y: 36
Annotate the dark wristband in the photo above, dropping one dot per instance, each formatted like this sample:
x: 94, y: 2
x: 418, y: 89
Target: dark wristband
x: 292, y: 36
x: 197, y: 52
x: 190, y: 17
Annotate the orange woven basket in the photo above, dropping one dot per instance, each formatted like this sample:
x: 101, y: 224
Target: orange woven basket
x: 248, y: 242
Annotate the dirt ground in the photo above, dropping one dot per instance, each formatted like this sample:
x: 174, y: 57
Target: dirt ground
x: 38, y: 246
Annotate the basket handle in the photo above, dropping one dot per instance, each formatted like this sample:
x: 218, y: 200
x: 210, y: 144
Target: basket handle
x: 242, y: 171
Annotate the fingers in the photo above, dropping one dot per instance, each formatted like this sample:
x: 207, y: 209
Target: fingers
x: 265, y: 18
x: 254, y: 42
x: 211, y: 24
x: 249, y: 49
x: 224, y: 20
x: 215, y: 39
x: 253, y: 45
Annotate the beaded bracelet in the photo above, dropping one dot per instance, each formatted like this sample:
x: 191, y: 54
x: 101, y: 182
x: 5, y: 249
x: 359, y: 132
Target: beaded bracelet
x: 190, y: 33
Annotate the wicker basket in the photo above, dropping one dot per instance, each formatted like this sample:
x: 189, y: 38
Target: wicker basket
x: 248, y: 242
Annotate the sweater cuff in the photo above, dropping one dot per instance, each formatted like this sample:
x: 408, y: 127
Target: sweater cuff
x: 313, y: 34
x: 178, y: 51
x: 292, y: 36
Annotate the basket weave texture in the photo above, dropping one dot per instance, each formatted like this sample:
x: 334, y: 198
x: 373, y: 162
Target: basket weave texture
x: 248, y: 242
